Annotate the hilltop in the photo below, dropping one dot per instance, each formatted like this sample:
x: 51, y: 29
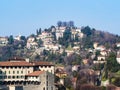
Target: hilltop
x: 76, y: 52
x: 56, y: 39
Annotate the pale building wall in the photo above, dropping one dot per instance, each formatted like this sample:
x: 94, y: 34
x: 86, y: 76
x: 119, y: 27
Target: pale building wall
x: 47, y: 68
x: 18, y: 73
x: 118, y: 60
x: 33, y: 78
x: 11, y: 87
x: 101, y: 58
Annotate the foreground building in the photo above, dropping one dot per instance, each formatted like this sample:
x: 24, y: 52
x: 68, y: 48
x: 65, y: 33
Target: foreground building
x: 21, y: 72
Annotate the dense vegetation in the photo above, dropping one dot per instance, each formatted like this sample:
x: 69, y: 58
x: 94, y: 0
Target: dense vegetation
x: 111, y: 67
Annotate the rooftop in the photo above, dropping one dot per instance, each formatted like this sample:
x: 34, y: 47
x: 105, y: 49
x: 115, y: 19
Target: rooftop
x: 20, y: 63
x: 35, y: 73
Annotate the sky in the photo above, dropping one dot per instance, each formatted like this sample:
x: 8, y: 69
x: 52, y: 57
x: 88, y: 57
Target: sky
x: 25, y: 16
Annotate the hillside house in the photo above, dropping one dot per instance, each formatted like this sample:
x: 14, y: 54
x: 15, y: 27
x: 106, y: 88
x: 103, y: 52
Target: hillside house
x: 3, y: 41
x: 118, y: 44
x: 95, y: 45
x: 31, y: 43
x: 17, y: 37
x: 59, y: 32
x: 69, y: 52
x: 118, y: 58
x: 100, y: 48
x: 104, y: 53
x: 101, y: 58
x: 75, y: 67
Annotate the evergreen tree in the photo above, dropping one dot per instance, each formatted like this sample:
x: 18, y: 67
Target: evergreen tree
x: 40, y: 31
x: 59, y: 23
x: 11, y: 39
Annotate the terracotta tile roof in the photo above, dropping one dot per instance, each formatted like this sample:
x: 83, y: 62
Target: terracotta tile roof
x: 17, y: 63
x: 35, y: 73
x: 43, y: 63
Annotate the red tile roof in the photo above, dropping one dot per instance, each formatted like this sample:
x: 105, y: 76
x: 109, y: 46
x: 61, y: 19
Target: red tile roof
x: 35, y: 73
x: 22, y: 62
x: 17, y: 63
x: 43, y: 63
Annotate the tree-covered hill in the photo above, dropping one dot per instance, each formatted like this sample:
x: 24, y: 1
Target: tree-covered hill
x: 68, y: 39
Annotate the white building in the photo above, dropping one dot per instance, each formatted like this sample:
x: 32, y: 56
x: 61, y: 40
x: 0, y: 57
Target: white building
x: 59, y: 32
x: 78, y: 30
x: 44, y: 66
x: 101, y: 58
x: 100, y: 48
x: 104, y: 53
x: 118, y: 44
x: 18, y: 37
x: 31, y: 43
x: 118, y: 59
x: 75, y: 67
x: 20, y: 72
x: 3, y: 41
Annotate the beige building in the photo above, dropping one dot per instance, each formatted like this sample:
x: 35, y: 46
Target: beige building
x: 20, y: 72
x: 31, y: 43
x: 59, y: 32
x: 46, y: 79
x: 3, y: 41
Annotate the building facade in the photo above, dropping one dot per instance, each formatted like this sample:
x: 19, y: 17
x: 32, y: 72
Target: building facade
x: 21, y: 72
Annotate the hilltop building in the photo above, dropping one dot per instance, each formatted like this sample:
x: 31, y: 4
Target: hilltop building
x: 3, y: 41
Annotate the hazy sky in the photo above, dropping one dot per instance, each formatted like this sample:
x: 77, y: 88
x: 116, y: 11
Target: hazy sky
x: 25, y: 16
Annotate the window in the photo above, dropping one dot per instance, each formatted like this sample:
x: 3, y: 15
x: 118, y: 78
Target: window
x: 51, y: 88
x: 19, y: 67
x: 17, y: 76
x: 28, y: 71
x: 7, y: 67
x: 36, y: 77
x: 13, y: 77
x: 41, y: 66
x: 5, y: 77
x: 5, y: 72
x: 44, y: 88
x: 13, y: 72
x: 1, y: 77
x: 9, y: 72
x: 3, y: 67
x: 0, y: 72
x: 22, y: 76
x: 47, y: 83
x: 51, y: 71
x: 47, y: 77
x: 9, y: 77
x: 22, y: 72
x: 17, y: 72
